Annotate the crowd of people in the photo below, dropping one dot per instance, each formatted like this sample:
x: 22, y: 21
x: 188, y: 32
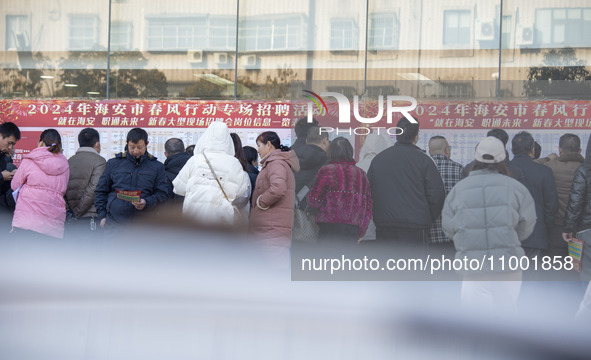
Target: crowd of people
x: 397, y: 196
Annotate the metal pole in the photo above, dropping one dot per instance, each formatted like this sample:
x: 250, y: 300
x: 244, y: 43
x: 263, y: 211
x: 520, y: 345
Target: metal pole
x: 236, y: 51
x: 366, y: 45
x: 419, y: 50
x: 310, y: 44
x: 109, y: 52
x: 500, y: 49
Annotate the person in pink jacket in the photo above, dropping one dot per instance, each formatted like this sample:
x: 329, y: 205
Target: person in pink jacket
x: 42, y: 180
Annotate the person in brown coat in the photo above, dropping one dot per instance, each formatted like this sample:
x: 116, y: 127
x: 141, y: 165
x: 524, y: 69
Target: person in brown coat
x: 563, y: 168
x: 273, y: 200
x: 86, y: 168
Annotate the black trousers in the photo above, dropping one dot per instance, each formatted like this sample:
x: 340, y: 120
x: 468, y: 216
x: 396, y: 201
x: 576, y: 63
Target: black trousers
x: 334, y: 233
x: 402, y: 241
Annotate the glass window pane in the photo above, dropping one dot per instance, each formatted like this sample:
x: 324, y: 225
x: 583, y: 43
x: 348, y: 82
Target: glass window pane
x: 83, y: 32
x: 574, y: 14
x: 559, y: 14
x: 452, y: 18
x: 383, y: 32
x: 558, y: 35
x: 456, y: 27
x: 506, y: 35
x: 544, y: 26
x: 464, y: 21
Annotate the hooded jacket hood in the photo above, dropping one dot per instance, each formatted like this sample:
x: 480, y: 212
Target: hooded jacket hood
x: 215, y: 139
x: 288, y: 156
x: 373, y: 145
x: 49, y: 163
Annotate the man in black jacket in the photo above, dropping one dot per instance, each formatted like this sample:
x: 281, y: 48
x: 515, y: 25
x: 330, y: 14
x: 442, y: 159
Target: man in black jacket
x: 577, y: 217
x: 176, y: 158
x: 407, y: 191
x: 301, y: 132
x: 9, y: 135
x: 538, y: 179
x: 312, y: 157
x: 133, y: 170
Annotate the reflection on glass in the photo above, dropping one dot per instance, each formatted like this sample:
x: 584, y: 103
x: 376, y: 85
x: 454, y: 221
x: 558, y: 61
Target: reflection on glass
x: 426, y: 48
x: 550, y: 50
x: 286, y: 46
x: 83, y: 32
x: 456, y: 27
x: 433, y: 49
x: 506, y: 34
x: 37, y: 55
x: 185, y: 51
x: 121, y: 35
x: 556, y: 27
x: 384, y: 31
x: 343, y: 34
x: 17, y: 32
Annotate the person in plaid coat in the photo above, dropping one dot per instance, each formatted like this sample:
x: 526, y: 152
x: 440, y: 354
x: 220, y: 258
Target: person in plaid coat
x: 451, y: 173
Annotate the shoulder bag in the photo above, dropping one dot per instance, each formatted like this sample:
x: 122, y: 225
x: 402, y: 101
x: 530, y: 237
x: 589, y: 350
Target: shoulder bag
x: 237, y: 215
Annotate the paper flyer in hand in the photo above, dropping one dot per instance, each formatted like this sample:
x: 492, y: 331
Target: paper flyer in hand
x: 129, y: 195
x: 575, y: 249
x: 15, y: 193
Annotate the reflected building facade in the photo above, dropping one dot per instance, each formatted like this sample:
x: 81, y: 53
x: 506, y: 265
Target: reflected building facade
x: 263, y: 49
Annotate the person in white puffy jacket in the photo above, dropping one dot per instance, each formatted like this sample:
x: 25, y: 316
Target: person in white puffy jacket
x: 204, y: 198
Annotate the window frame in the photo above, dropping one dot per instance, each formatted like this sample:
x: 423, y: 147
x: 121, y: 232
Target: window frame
x: 458, y: 45
x: 395, y: 31
x: 290, y: 41
x: 566, y: 22
x: 95, y: 26
x: 129, y: 35
x: 178, y: 24
x: 354, y: 27
x: 8, y: 31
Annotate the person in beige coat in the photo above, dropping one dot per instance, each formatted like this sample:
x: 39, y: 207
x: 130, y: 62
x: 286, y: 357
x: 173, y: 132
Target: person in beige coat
x: 86, y: 168
x: 273, y: 201
x: 563, y: 167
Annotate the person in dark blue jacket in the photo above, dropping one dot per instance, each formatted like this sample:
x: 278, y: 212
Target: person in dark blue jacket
x: 514, y: 171
x: 539, y: 180
x: 132, y: 170
x: 176, y: 158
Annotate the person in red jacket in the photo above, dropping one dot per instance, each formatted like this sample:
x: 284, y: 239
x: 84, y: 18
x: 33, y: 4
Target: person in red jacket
x: 342, y: 195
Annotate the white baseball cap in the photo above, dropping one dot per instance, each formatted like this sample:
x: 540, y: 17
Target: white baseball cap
x: 490, y: 150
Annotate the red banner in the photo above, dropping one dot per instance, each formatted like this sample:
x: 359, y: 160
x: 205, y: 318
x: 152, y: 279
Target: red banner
x: 510, y: 115
x: 145, y: 114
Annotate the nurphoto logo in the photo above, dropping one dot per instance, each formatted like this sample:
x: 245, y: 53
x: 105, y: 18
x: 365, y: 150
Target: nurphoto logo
x: 344, y: 111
